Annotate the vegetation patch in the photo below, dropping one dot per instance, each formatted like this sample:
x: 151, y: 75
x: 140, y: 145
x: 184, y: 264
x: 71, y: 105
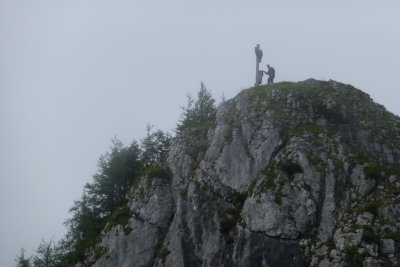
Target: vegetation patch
x: 308, y: 128
x: 227, y: 224
x: 303, y: 89
x: 229, y: 134
x: 239, y: 198
x: 290, y: 168
x: 158, y: 171
x: 228, y: 238
x: 373, y: 206
x: 163, y: 254
x: 252, y: 185
x: 230, y: 219
x: 331, y: 244
x: 120, y: 216
x: 99, y: 251
x: 339, y: 164
x: 270, y: 170
x: 127, y: 230
x: 361, y: 157
x: 352, y: 257
x: 307, y: 187
x: 392, y: 235
x: 374, y: 171
x: 331, y: 115
x: 369, y: 235
x: 391, y: 188
x: 269, y: 184
x: 184, y: 193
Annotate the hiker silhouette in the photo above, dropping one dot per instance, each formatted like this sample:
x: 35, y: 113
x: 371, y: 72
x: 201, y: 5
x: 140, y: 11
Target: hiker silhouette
x: 271, y: 74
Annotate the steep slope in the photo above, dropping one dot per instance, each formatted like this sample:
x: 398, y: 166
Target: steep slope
x: 291, y: 174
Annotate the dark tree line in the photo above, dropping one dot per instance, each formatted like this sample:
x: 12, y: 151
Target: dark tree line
x: 118, y: 170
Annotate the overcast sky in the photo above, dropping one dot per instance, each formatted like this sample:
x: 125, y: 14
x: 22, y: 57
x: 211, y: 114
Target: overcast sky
x: 75, y: 73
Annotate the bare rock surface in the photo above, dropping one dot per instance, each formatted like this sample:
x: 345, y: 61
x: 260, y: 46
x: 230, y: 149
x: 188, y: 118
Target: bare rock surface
x: 293, y: 174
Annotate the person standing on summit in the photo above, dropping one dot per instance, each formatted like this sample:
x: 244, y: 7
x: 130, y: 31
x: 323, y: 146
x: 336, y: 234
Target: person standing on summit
x: 271, y: 74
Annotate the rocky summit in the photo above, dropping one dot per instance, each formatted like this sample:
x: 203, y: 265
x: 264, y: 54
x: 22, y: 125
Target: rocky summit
x: 290, y: 174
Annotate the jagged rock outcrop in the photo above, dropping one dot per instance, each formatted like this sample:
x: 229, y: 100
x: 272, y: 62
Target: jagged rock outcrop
x: 291, y: 174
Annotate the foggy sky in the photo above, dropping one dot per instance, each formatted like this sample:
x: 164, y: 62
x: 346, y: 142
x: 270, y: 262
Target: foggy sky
x: 75, y: 73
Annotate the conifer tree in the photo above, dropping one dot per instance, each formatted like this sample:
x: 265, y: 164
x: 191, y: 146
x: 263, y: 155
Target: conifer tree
x: 117, y: 169
x: 199, y: 115
x: 21, y: 261
x: 155, y: 147
x: 46, y: 254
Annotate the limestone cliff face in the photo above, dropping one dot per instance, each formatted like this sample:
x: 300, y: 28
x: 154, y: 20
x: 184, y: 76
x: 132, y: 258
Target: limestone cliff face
x: 292, y: 174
